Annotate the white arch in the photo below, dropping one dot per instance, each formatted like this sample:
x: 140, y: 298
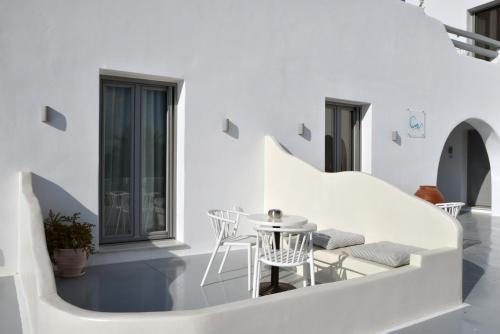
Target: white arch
x: 492, y: 143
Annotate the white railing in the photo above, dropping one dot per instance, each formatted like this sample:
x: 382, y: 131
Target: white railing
x: 491, y: 52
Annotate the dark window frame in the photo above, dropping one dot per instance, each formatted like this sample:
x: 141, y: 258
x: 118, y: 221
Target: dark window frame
x: 170, y: 213
x: 482, y: 10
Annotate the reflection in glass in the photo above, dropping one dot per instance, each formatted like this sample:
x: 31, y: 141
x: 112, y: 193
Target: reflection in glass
x: 342, y: 138
x: 153, y: 160
x: 117, y: 153
x: 487, y: 23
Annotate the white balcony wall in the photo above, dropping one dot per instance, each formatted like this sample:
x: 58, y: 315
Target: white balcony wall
x: 267, y: 66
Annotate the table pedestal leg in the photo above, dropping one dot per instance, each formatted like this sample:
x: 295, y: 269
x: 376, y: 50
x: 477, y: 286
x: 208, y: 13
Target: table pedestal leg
x: 268, y: 288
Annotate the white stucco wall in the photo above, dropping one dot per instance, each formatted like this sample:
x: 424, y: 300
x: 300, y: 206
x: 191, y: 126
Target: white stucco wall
x: 266, y: 65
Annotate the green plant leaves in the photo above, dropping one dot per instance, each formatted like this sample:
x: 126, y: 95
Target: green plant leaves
x: 67, y: 232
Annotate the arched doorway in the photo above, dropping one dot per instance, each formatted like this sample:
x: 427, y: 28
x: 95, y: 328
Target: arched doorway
x: 464, y: 173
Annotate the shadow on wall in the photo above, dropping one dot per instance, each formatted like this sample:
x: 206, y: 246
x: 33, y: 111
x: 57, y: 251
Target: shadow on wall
x: 52, y: 196
x: 55, y: 119
x: 233, y: 130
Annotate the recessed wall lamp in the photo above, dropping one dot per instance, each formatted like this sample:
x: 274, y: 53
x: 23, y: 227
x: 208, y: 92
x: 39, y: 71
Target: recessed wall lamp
x: 225, y: 125
x: 395, y: 136
x: 300, y: 129
x: 44, y: 115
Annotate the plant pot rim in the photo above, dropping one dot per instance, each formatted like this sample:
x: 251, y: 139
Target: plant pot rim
x: 58, y: 274
x: 76, y: 250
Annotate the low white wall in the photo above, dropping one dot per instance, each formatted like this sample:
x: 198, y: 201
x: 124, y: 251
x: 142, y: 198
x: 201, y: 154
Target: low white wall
x: 432, y: 283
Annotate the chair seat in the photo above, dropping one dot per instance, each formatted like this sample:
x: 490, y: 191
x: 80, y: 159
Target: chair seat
x: 285, y: 259
x: 240, y: 240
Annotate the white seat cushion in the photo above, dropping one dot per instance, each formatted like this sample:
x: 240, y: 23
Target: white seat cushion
x: 333, y: 238
x: 341, y: 258
x: 385, y: 252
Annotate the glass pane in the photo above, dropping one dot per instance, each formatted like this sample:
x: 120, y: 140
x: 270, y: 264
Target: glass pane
x: 486, y: 24
x: 117, y: 110
x: 153, y: 160
x: 345, y: 139
x: 329, y: 139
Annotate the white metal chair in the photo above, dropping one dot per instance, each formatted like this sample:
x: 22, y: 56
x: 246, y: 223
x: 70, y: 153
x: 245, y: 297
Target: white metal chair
x: 453, y: 208
x: 120, y: 204
x: 225, y: 225
x: 283, y: 247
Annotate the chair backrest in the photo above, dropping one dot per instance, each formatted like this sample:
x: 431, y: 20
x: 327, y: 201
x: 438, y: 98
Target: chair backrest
x: 453, y: 208
x: 224, y: 222
x: 285, y: 246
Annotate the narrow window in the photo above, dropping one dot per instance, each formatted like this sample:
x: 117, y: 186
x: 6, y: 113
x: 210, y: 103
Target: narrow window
x: 342, y: 138
x: 136, y: 160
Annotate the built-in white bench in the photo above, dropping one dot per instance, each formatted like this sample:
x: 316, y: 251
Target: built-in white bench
x: 338, y: 264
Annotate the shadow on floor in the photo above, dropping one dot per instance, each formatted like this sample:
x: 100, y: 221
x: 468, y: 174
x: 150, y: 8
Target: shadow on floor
x: 124, y: 287
x: 167, y: 284
x: 10, y: 319
x: 472, y: 273
x: 470, y: 242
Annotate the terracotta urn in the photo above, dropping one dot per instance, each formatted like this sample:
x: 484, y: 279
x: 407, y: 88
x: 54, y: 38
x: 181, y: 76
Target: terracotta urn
x: 70, y: 262
x: 430, y: 194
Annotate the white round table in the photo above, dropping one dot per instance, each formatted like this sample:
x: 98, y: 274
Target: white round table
x: 262, y: 219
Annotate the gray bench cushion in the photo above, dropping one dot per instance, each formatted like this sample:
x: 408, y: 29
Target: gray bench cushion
x: 332, y: 238
x: 385, y: 252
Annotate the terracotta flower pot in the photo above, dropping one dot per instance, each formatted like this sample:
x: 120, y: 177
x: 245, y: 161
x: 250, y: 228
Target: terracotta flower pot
x: 430, y: 194
x: 70, y: 262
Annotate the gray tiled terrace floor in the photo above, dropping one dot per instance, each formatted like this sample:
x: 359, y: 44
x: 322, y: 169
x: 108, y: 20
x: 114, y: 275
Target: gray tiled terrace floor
x: 173, y: 283
x: 481, y: 282
x: 10, y: 320
x: 163, y: 284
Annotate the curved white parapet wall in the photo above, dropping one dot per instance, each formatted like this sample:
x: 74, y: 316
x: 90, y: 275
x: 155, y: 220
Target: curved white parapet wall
x: 354, y: 202
x: 431, y: 284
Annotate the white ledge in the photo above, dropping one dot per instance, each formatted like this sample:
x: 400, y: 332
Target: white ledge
x: 140, y: 245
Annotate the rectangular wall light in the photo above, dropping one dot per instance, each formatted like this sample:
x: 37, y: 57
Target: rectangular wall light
x: 300, y: 129
x: 225, y: 125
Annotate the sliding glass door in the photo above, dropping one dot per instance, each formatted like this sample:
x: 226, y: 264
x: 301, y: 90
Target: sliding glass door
x: 136, y: 190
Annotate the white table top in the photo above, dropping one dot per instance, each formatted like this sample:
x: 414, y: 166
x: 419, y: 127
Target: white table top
x: 285, y: 221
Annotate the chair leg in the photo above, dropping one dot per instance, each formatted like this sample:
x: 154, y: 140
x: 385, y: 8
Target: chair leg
x: 224, y: 258
x: 257, y: 280
x: 305, y: 272
x: 249, y: 265
x: 311, y: 263
x: 210, y: 264
x: 255, y: 264
x: 118, y: 220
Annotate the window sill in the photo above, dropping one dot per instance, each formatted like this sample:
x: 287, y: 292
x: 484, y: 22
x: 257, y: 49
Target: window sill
x: 170, y: 244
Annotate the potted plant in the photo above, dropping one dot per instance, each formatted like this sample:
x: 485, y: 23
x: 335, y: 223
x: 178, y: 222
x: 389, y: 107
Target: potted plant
x: 69, y: 242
